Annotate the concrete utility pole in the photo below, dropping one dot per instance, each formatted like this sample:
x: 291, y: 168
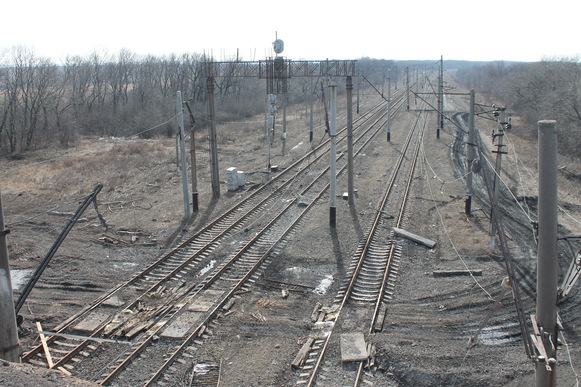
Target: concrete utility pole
x: 358, y: 87
x: 407, y: 84
x: 440, y: 98
x: 184, y: 163
x: 284, y: 134
x: 470, y: 157
x: 195, y: 206
x: 333, y: 152
x: 388, y: 109
x: 547, y: 260
x: 9, y: 347
x: 213, y: 139
x: 312, y: 102
x: 350, y: 183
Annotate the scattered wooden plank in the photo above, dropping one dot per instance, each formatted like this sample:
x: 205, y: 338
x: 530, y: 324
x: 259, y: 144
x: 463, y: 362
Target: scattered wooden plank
x: 454, y: 273
x: 44, y: 345
x: 315, y: 314
x: 416, y: 238
x: 64, y: 371
x: 301, y: 357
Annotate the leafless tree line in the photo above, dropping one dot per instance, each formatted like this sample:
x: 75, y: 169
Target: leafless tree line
x: 549, y: 89
x: 43, y: 103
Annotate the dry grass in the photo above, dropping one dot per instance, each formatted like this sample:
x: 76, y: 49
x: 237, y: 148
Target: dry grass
x: 109, y: 161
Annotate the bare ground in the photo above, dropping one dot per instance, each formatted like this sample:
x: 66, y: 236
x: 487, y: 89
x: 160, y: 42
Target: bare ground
x: 426, y: 338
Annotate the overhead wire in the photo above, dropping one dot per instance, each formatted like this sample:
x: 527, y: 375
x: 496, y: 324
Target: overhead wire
x: 530, y: 173
x: 441, y: 219
x: 570, y: 358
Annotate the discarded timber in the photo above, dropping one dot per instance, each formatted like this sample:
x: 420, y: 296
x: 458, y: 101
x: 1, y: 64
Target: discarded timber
x: 454, y: 273
x: 301, y: 357
x: 44, y: 345
x: 416, y: 238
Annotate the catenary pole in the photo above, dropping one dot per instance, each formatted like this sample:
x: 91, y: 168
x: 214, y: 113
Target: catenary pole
x: 407, y: 85
x: 333, y: 154
x: 388, y: 109
x: 312, y: 101
x: 284, y: 133
x: 195, y: 206
x: 470, y: 157
x: 213, y: 139
x: 350, y: 182
x: 547, y: 259
x: 184, y: 162
x: 9, y: 347
x: 441, y: 98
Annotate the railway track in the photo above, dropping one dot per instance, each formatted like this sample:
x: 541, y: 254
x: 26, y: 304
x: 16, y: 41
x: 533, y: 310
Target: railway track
x: 371, y: 277
x: 193, y: 282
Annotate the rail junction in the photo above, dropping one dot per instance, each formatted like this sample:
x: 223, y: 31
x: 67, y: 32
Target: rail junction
x: 160, y: 327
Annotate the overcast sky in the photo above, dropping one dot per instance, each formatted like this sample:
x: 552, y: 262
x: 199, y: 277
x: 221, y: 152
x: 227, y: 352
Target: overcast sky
x: 418, y: 29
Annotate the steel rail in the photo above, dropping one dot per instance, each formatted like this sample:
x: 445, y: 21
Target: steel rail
x: 387, y: 270
x: 218, y: 274
x: 98, y: 302
x: 99, y: 331
x: 360, y: 258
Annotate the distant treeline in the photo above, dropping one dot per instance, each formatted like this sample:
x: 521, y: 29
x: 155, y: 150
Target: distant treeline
x: 44, y: 104
x: 545, y: 90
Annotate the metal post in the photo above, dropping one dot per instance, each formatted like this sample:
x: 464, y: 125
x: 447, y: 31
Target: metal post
x: 470, y: 157
x: 284, y: 134
x: 312, y: 101
x: 184, y: 163
x: 350, y: 183
x: 407, y: 83
x: 9, y: 347
x: 440, y: 115
x: 441, y: 91
x: 547, y: 263
x: 358, y: 87
x: 333, y: 168
x: 213, y: 139
x: 389, y: 109
x: 193, y: 163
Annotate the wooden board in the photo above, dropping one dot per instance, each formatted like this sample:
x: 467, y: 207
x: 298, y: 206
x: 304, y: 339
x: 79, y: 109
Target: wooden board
x: 454, y: 273
x: 416, y: 238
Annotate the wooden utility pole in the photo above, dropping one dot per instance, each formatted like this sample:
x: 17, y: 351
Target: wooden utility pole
x: 499, y: 113
x: 9, y: 347
x: 184, y: 162
x: 547, y: 259
x: 213, y: 139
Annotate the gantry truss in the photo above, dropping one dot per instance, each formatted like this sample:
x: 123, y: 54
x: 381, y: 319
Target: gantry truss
x: 287, y: 68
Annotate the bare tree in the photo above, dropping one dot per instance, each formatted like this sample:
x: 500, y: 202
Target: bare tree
x: 28, y: 90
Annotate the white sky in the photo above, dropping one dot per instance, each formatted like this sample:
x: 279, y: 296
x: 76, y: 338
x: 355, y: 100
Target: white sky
x: 405, y: 29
